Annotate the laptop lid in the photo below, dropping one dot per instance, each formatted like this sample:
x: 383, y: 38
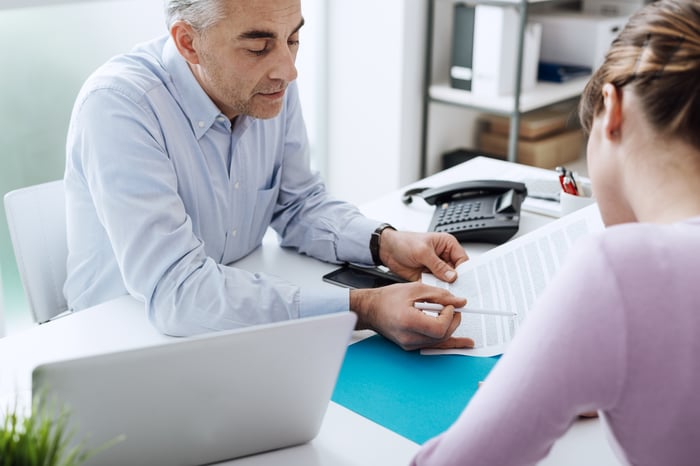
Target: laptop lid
x: 206, y: 398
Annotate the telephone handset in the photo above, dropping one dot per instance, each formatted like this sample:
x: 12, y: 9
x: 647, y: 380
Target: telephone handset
x: 477, y: 211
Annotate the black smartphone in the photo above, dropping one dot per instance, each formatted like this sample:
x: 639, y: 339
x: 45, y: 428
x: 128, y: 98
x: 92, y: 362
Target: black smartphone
x: 352, y: 276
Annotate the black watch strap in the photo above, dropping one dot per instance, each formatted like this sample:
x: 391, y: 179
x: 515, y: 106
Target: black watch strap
x: 374, y: 242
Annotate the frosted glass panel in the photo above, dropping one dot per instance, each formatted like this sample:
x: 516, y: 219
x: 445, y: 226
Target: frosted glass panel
x: 48, y: 52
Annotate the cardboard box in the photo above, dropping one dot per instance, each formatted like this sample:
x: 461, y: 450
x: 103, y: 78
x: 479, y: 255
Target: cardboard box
x: 533, y: 125
x: 547, y: 152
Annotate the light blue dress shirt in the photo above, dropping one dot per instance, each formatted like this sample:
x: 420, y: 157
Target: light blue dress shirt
x: 162, y: 191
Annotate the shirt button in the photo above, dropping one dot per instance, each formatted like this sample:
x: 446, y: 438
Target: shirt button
x: 237, y: 185
x: 234, y: 232
x: 200, y: 124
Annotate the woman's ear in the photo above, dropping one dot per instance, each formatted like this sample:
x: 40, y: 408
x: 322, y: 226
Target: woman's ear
x: 184, y: 37
x: 612, y: 112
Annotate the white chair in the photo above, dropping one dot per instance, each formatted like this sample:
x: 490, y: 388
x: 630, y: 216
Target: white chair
x: 36, y: 217
x: 2, y: 309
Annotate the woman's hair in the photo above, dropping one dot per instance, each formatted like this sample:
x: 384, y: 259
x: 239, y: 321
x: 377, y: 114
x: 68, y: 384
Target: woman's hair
x: 200, y: 14
x: 657, y: 55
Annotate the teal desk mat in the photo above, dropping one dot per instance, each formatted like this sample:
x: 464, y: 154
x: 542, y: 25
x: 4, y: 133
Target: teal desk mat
x: 415, y: 396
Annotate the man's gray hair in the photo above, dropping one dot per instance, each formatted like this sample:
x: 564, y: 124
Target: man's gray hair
x: 200, y: 14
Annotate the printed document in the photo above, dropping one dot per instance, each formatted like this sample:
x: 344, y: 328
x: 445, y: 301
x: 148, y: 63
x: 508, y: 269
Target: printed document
x: 510, y: 277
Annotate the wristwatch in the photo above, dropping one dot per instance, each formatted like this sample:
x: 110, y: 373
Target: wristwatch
x: 374, y: 242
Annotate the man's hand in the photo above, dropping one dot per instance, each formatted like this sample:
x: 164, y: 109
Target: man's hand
x: 409, y: 254
x: 389, y: 310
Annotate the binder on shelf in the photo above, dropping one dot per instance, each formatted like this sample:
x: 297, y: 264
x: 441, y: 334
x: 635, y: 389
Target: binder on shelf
x: 561, y: 72
x: 461, y: 71
x: 495, y: 51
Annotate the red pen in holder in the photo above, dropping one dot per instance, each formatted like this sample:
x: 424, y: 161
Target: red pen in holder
x: 566, y: 179
x: 568, y: 185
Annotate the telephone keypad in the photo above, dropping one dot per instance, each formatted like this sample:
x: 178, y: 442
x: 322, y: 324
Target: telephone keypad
x: 458, y: 212
x: 473, y: 219
x: 477, y: 211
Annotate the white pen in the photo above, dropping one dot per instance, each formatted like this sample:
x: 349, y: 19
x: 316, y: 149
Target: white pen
x: 438, y: 307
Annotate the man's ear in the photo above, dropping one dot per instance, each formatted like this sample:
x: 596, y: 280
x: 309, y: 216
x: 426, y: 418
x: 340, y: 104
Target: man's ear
x: 612, y: 112
x: 184, y: 37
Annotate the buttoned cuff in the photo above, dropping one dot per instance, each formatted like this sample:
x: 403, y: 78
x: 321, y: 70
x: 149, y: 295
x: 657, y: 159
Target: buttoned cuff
x: 353, y: 245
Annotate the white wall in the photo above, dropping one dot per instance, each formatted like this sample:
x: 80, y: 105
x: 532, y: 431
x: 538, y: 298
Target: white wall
x: 374, y: 103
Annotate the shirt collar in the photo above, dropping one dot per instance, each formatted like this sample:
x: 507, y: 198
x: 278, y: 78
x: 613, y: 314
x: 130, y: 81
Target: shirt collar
x: 196, y: 104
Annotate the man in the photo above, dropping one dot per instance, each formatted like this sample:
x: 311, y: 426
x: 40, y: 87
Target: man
x: 181, y: 153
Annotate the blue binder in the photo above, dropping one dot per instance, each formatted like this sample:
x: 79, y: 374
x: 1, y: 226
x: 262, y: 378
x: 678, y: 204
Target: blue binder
x: 561, y: 72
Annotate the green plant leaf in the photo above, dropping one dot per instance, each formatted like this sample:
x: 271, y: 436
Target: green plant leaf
x: 43, y: 438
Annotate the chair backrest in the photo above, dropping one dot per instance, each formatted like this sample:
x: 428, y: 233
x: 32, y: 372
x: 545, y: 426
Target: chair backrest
x: 2, y: 309
x: 36, y: 217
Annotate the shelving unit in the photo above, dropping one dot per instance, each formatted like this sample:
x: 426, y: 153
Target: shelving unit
x: 438, y: 90
x: 543, y: 95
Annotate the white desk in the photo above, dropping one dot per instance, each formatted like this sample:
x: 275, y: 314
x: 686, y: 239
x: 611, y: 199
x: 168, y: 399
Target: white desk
x: 345, y: 438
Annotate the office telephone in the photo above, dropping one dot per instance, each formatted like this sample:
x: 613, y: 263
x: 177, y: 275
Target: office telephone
x: 477, y: 211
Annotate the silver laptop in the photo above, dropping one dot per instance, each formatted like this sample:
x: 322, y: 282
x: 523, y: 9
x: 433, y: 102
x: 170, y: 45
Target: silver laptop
x: 207, y: 398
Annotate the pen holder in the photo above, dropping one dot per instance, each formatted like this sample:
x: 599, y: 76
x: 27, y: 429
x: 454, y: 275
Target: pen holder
x: 570, y: 203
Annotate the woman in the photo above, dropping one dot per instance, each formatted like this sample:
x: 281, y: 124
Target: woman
x: 618, y: 329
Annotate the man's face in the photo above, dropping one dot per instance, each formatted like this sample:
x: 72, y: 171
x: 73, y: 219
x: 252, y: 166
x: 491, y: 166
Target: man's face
x: 247, y: 60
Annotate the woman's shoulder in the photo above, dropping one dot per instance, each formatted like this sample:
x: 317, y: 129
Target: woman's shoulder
x: 643, y: 259
x: 632, y: 242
